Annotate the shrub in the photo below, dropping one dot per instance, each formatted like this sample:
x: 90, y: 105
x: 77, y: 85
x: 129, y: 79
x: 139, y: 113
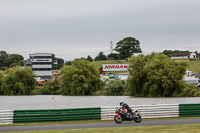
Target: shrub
x: 80, y: 78
x: 19, y: 81
x: 155, y: 75
x: 114, y: 87
x: 50, y: 88
x: 190, y: 91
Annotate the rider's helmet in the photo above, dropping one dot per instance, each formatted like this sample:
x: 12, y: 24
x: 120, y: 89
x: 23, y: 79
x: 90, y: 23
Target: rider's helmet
x: 121, y: 103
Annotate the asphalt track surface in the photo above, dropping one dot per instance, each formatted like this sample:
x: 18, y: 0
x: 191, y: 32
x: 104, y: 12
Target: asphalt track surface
x: 98, y: 125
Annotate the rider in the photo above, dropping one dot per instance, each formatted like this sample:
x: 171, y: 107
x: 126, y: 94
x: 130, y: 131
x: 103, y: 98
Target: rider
x: 125, y: 106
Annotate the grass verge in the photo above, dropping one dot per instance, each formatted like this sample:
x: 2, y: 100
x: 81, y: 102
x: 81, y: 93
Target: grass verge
x: 90, y: 121
x: 194, y: 66
x: 185, y: 128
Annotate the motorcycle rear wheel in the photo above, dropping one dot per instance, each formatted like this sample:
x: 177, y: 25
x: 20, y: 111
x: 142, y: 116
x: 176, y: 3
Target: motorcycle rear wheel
x: 138, y: 118
x: 118, y: 119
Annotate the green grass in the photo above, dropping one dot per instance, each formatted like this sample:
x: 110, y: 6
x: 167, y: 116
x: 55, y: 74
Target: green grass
x: 193, y: 66
x: 185, y: 128
x: 92, y: 121
x: 64, y: 122
x: 98, y: 64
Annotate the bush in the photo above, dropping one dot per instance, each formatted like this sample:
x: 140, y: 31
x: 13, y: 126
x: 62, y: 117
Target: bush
x: 155, y: 75
x: 18, y: 81
x: 50, y: 88
x: 80, y: 78
x: 190, y: 91
x: 53, y: 86
x: 114, y: 87
x: 40, y: 91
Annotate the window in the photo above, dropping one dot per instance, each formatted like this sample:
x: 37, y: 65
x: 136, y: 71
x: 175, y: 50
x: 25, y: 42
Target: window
x: 41, y: 69
x: 41, y: 63
x: 41, y: 57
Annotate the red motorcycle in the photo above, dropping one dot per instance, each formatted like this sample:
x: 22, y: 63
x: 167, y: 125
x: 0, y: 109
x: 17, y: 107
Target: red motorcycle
x: 124, y: 115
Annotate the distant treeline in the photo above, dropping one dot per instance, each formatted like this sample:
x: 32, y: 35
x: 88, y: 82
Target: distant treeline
x: 154, y: 75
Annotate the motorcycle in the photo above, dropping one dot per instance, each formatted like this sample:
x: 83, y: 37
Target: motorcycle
x: 124, y: 115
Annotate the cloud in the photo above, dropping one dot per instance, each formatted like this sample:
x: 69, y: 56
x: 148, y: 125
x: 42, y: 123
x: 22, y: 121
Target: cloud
x: 76, y: 28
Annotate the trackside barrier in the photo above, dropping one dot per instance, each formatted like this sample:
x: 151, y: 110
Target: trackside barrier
x: 6, y: 116
x: 147, y: 111
x: 53, y: 115
x: 189, y: 109
x: 96, y: 113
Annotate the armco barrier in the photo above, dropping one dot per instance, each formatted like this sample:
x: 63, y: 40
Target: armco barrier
x: 147, y: 111
x: 53, y: 115
x: 189, y: 109
x: 6, y: 116
x: 96, y: 113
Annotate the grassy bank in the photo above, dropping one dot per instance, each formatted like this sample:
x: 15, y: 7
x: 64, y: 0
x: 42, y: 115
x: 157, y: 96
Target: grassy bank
x: 93, y: 121
x: 99, y: 63
x: 185, y: 128
x: 193, y: 66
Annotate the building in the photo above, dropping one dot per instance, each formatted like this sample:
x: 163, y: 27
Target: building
x: 184, y: 55
x: 41, y: 63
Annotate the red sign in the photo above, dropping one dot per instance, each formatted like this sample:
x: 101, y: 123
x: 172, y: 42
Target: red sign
x: 115, y: 67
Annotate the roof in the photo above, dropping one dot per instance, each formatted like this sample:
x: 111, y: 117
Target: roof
x: 41, y: 54
x: 181, y: 54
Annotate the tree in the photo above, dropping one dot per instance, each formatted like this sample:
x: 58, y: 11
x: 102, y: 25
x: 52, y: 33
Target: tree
x: 179, y: 51
x: 80, y: 78
x: 57, y: 63
x: 170, y: 52
x: 100, y: 56
x: 114, y: 56
x: 10, y: 60
x: 89, y: 58
x: 20, y: 63
x: 1, y: 81
x: 68, y: 63
x: 60, y: 61
x: 114, y: 87
x: 155, y: 75
x: 53, y: 59
x: 190, y: 91
x: 18, y: 81
x: 14, y: 59
x: 3, y: 56
x: 167, y: 52
x: 127, y: 47
x: 52, y: 87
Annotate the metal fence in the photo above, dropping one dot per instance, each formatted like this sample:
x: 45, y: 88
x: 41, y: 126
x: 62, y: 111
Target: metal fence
x: 6, y: 116
x: 189, y: 110
x: 96, y: 113
x: 147, y: 111
x: 54, y: 115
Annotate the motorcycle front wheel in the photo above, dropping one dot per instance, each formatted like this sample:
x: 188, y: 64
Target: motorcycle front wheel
x: 118, y: 119
x: 138, y: 118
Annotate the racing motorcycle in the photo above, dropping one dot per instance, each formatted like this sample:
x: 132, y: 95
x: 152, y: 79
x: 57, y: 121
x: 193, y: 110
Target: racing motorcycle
x: 124, y: 115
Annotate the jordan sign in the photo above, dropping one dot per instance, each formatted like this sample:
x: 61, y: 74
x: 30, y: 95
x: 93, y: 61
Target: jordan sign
x: 115, y: 67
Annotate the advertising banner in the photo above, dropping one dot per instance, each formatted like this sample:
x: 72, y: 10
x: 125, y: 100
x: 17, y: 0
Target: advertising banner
x: 115, y: 67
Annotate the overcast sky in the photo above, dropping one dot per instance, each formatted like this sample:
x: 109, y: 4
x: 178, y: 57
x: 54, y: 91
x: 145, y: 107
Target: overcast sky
x: 77, y: 28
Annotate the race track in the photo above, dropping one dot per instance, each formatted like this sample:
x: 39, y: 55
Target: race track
x: 98, y: 125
